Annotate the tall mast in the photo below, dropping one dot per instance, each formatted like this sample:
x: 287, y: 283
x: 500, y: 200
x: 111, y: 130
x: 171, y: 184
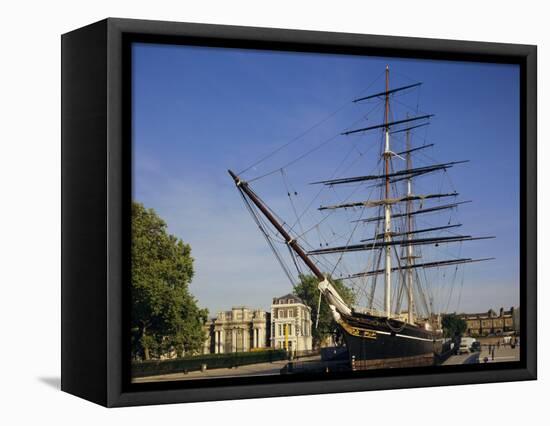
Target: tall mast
x: 387, y: 206
x: 410, y: 309
x: 336, y: 303
x: 292, y: 243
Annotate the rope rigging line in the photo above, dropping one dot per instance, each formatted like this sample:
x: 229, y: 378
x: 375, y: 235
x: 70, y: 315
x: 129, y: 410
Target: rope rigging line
x: 417, y: 110
x: 324, y: 262
x: 334, y: 173
x: 374, y: 281
x: 307, y: 153
x: 403, y: 281
x: 330, y: 213
x: 300, y: 157
x: 280, y: 148
x: 314, y: 126
x: 255, y: 216
x: 420, y: 290
x: 301, y: 221
x: 460, y: 291
x: 418, y: 99
x: 452, y: 290
x: 422, y: 293
x: 405, y: 76
x: 293, y: 257
x: 288, y: 191
x: 453, y: 282
x: 352, y: 233
x: 428, y: 159
x: 323, y: 187
x: 337, y: 237
x: 274, y: 236
x: 377, y: 228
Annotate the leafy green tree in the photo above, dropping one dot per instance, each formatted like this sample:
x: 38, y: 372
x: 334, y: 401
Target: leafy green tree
x: 453, y: 325
x: 307, y: 290
x: 164, y: 315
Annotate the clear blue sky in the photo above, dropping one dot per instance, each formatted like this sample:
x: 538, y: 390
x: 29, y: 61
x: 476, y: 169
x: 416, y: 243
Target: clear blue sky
x: 199, y: 111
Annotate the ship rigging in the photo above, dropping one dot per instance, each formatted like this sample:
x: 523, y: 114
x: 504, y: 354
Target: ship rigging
x: 395, y: 242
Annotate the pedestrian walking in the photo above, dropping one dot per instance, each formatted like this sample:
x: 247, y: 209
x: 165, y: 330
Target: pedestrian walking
x: 493, y: 354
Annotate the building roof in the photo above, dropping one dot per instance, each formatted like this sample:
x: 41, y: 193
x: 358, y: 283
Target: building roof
x: 286, y: 298
x: 491, y: 313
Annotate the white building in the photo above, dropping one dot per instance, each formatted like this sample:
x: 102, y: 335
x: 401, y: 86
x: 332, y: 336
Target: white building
x: 290, y: 324
x: 239, y: 330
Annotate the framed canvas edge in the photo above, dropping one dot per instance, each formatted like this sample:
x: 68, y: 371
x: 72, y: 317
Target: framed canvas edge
x: 117, y: 396
x: 83, y: 213
x: 315, y: 387
x: 530, y: 219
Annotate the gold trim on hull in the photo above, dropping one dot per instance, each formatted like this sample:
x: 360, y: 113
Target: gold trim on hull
x: 359, y: 332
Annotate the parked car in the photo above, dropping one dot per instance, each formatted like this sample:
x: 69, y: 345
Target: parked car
x: 465, y: 345
x: 476, y: 347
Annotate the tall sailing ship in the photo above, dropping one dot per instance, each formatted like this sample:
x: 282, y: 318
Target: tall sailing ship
x: 387, y: 337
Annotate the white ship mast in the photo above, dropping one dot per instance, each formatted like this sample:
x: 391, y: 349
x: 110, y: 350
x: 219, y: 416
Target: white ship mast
x: 387, y: 207
x: 383, y: 242
x: 410, y: 309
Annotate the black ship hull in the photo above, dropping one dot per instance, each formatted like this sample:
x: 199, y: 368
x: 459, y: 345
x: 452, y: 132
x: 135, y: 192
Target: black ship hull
x: 377, y: 342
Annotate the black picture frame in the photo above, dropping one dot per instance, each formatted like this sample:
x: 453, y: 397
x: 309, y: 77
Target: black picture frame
x: 96, y: 179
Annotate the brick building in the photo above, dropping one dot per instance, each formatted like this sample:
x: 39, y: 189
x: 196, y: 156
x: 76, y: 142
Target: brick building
x: 492, y: 323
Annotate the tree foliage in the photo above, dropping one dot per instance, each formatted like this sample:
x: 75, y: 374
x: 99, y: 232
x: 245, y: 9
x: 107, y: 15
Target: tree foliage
x: 307, y: 290
x: 165, y: 316
x: 453, y: 326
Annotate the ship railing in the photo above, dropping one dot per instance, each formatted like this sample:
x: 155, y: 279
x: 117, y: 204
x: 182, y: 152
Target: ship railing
x: 369, y: 311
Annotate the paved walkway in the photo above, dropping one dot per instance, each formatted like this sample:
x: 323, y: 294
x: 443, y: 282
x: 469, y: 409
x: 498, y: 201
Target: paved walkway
x: 502, y: 354
x: 462, y: 359
x: 262, y: 369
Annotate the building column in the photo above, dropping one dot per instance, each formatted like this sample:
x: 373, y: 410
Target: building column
x: 233, y: 340
x: 216, y: 341
x: 246, y: 339
x: 221, y: 348
x: 296, y: 335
